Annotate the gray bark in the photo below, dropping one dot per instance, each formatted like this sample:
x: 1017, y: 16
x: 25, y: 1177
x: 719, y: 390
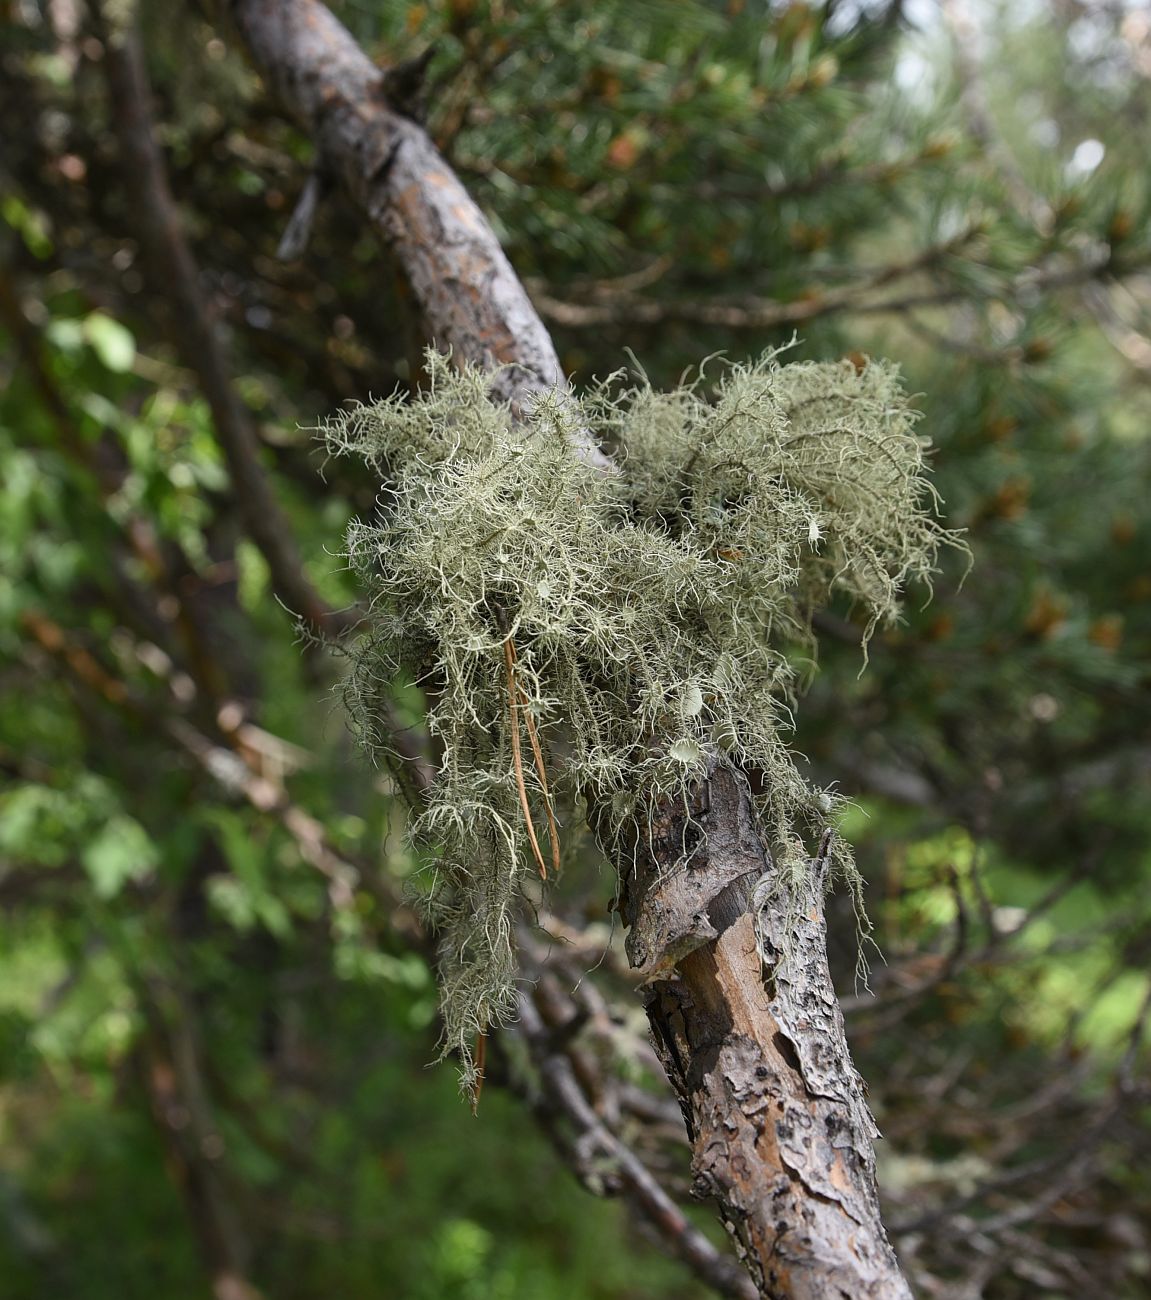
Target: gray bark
x: 472, y: 301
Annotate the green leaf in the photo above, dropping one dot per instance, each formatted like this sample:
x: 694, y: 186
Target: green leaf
x: 121, y: 851
x: 65, y: 333
x: 254, y: 577
x: 111, y: 341
x: 32, y: 225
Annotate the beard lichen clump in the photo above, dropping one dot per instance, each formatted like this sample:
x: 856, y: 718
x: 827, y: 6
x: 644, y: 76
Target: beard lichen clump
x: 591, y: 638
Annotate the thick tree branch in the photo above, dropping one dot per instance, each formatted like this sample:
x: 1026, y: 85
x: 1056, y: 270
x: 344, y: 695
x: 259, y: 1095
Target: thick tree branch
x: 781, y: 1134
x: 472, y: 302
x: 755, y: 1048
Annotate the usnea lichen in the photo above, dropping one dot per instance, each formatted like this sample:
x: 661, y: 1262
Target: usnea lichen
x: 590, y: 636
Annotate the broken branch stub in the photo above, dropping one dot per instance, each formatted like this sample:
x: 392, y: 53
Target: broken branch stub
x: 756, y: 1051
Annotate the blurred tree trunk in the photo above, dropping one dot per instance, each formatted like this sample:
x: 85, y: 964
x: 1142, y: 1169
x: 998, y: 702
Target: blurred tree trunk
x: 782, y: 1137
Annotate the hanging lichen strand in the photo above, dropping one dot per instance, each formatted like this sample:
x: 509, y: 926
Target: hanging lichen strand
x: 584, y: 635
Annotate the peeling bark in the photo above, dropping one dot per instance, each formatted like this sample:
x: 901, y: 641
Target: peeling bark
x: 782, y: 1137
x: 781, y: 1134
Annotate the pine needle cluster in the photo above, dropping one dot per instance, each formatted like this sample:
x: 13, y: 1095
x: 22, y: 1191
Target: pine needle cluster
x: 603, y: 637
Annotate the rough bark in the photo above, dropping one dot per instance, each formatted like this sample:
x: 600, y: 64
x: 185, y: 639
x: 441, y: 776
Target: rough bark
x: 472, y: 301
x: 782, y: 1136
x: 756, y: 1051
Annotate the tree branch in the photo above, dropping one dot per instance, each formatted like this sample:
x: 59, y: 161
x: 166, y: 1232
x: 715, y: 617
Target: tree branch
x: 756, y: 1051
x: 592, y: 1145
x: 781, y: 1133
x: 752, y: 313
x: 473, y: 303
x: 174, y: 272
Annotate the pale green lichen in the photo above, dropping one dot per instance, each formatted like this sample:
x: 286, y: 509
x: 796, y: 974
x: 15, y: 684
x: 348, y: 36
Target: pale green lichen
x: 654, y: 610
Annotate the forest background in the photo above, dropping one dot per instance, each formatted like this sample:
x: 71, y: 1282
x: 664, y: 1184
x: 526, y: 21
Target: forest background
x: 215, y: 1016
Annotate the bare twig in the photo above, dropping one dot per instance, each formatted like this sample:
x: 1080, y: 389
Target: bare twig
x: 174, y: 270
x: 517, y: 691
x: 591, y: 1144
x: 173, y: 1075
x: 858, y: 299
x: 298, y: 232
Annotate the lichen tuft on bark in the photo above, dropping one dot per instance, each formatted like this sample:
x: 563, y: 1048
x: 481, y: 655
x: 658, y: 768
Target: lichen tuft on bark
x: 595, y: 641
